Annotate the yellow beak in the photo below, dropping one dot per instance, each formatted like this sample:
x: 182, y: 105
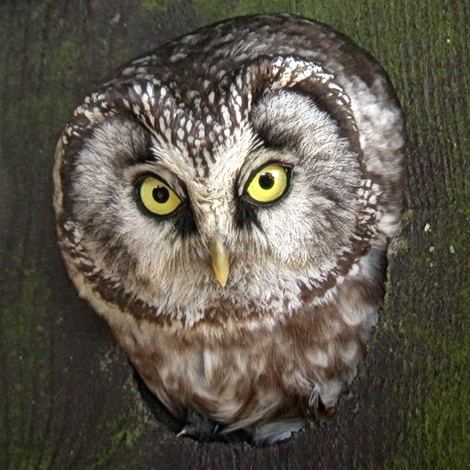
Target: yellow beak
x: 219, y: 257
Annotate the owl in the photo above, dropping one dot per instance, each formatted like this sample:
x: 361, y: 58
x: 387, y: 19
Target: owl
x: 225, y: 203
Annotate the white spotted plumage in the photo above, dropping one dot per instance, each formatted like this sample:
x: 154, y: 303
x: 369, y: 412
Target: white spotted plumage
x: 204, y: 113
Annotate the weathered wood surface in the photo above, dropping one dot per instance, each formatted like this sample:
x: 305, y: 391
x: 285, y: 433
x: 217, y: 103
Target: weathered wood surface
x: 68, y: 397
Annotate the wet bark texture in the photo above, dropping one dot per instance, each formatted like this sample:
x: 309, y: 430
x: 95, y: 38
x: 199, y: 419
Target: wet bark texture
x: 68, y: 396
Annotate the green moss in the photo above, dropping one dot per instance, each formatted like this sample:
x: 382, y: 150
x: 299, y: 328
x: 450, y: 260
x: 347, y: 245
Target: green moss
x: 119, y: 435
x: 160, y: 6
x: 26, y: 353
x: 434, y: 352
x: 31, y: 401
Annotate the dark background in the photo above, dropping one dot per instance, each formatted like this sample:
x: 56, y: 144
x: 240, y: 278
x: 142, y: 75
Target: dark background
x: 68, y: 397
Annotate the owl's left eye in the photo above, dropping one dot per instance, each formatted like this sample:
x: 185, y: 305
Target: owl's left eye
x: 268, y: 184
x: 156, y: 196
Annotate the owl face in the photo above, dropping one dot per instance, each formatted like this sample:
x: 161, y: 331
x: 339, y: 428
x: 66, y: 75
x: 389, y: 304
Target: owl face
x: 225, y: 202
x: 151, y: 213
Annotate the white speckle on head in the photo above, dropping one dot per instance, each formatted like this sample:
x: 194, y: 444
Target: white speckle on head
x: 177, y: 57
x: 225, y: 115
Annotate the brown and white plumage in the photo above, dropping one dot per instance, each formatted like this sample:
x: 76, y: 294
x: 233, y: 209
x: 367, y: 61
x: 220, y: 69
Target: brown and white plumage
x: 304, y: 273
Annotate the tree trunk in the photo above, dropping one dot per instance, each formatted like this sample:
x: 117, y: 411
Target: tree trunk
x: 68, y: 396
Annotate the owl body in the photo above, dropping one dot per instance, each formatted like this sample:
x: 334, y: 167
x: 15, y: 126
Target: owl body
x: 225, y: 203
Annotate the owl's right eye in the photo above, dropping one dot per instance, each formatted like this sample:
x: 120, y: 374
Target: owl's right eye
x: 156, y: 196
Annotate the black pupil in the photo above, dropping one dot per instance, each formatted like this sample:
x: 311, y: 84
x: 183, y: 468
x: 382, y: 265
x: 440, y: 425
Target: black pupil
x: 160, y: 194
x: 266, y: 181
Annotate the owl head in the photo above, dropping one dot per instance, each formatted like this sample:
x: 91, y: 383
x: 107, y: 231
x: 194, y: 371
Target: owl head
x: 216, y: 183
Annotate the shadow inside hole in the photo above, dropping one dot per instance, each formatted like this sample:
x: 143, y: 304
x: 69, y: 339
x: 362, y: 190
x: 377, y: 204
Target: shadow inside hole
x: 176, y: 425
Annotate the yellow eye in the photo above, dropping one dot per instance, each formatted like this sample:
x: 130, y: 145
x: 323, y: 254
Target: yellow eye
x: 269, y: 184
x: 157, y: 197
